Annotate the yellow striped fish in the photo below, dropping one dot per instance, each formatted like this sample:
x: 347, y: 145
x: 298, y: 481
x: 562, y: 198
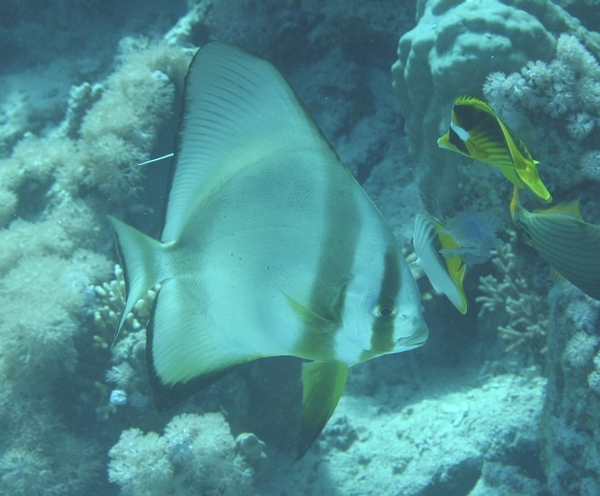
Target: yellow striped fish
x: 477, y: 132
x: 269, y: 247
x: 569, y: 244
x: 445, y: 273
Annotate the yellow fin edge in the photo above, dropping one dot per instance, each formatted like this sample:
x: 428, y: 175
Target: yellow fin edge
x: 323, y: 384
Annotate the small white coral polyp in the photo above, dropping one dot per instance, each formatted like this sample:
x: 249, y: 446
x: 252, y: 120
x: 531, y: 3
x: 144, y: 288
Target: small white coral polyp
x: 580, y: 349
x: 25, y: 472
x: 195, y: 456
x: 139, y: 465
x: 590, y: 165
x: 584, y: 313
x: 580, y: 125
x: 594, y: 381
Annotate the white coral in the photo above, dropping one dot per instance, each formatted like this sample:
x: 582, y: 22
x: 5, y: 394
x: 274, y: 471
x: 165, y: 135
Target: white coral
x: 594, y: 381
x: 537, y: 74
x: 580, y: 349
x: 588, y: 94
x: 590, y: 165
x: 580, y: 125
x: 139, y: 465
x: 560, y: 102
x: 526, y: 326
x: 571, y: 52
x: 194, y: 456
x: 583, y: 313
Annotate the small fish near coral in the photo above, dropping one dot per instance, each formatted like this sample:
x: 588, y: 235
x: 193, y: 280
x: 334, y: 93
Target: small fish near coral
x: 269, y: 247
x: 569, y: 244
x: 444, y: 251
x: 477, y: 132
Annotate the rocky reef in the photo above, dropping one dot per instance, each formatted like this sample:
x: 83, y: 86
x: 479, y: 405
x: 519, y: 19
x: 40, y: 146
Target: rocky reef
x: 503, y: 400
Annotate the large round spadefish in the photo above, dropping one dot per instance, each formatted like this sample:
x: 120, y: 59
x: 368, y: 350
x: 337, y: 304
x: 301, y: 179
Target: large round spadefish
x: 269, y: 248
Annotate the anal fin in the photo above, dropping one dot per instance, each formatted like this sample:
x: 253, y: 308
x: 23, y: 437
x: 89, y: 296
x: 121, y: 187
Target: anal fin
x: 323, y: 383
x: 169, y: 396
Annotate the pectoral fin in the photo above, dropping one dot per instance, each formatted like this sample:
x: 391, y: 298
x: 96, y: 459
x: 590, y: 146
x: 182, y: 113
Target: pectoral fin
x: 312, y: 320
x: 323, y: 384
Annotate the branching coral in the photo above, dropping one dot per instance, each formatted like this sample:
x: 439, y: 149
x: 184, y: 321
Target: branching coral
x: 128, y: 353
x: 194, y: 456
x: 110, y: 302
x: 526, y: 311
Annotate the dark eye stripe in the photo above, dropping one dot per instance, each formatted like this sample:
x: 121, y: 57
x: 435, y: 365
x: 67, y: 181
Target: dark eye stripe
x: 382, y: 337
x: 343, y: 224
x: 456, y: 141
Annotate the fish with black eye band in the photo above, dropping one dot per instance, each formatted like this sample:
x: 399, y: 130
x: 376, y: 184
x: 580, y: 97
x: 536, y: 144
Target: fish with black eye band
x: 477, y: 132
x: 269, y: 247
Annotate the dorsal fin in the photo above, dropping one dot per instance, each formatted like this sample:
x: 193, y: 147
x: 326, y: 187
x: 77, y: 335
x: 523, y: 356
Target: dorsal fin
x: 568, y: 208
x: 229, y: 93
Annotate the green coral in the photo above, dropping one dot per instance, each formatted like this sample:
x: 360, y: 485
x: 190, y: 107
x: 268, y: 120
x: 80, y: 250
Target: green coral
x: 139, y: 465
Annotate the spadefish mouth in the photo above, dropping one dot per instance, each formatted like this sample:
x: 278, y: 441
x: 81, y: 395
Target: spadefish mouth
x: 417, y: 339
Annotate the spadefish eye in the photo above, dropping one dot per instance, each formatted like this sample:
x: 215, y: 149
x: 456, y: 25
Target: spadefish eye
x: 384, y: 311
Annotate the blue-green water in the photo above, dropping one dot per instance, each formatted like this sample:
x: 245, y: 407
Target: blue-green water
x: 502, y: 400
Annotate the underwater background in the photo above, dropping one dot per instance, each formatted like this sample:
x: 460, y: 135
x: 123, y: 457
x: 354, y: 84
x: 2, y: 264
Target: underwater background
x: 504, y: 400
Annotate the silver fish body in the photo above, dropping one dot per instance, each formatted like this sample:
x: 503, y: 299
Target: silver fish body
x: 270, y: 247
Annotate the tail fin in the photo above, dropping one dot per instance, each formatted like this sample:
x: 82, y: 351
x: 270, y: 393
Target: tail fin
x: 141, y: 257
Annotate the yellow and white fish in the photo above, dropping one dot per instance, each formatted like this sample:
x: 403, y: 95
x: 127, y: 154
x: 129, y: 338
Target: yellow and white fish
x: 569, y: 244
x: 477, y: 132
x: 445, y: 251
x: 270, y: 247
x: 445, y: 273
